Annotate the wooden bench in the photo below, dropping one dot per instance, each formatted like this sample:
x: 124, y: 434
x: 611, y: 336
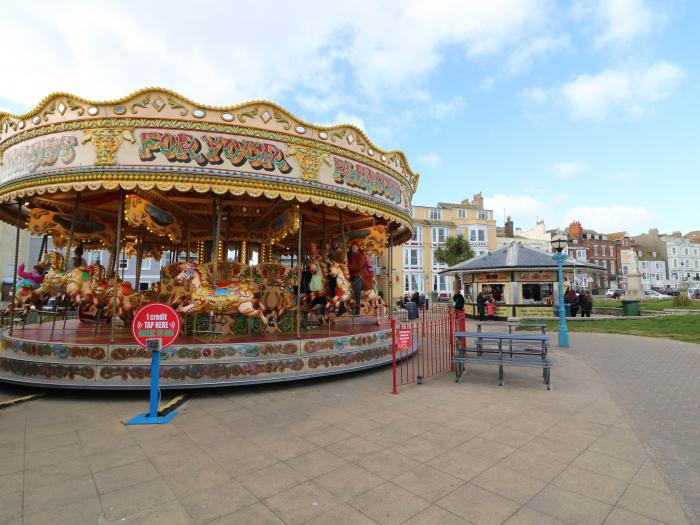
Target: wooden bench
x: 510, y: 326
x: 502, y: 349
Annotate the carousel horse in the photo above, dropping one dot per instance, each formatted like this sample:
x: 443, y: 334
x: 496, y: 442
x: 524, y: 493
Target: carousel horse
x: 343, y: 293
x: 27, y: 286
x: 237, y: 296
x: 277, y: 286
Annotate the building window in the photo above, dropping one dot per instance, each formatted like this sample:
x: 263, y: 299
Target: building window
x: 639, y: 253
x: 439, y: 235
x: 460, y: 232
x: 441, y: 283
x: 123, y: 262
x: 477, y: 235
x: 603, y: 251
x: 595, y: 250
x: 658, y: 265
x: 435, y: 214
x: 462, y: 213
x: 581, y: 254
x: 146, y: 263
x: 673, y: 250
x: 413, y: 282
x: 612, y: 267
x: 686, y: 251
x: 482, y: 214
x: 653, y: 254
x: 412, y: 258
x: 417, y: 236
x: 536, y: 293
x: 624, y: 269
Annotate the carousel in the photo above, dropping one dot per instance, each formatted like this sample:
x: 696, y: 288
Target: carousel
x: 267, y: 228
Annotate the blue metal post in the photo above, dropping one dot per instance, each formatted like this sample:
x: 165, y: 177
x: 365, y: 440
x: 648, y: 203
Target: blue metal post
x: 152, y: 417
x: 155, y: 378
x: 563, y: 328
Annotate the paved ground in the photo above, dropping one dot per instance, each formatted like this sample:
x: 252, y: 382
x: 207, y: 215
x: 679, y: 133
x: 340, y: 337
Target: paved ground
x: 657, y: 382
x: 341, y: 451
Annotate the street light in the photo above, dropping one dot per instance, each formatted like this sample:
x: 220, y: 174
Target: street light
x: 559, y: 243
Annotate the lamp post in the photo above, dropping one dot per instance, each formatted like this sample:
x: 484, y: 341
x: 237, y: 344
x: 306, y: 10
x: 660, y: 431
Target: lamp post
x: 558, y: 244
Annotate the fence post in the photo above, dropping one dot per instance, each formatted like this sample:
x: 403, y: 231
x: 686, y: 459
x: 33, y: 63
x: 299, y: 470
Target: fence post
x: 452, y: 315
x: 393, y: 354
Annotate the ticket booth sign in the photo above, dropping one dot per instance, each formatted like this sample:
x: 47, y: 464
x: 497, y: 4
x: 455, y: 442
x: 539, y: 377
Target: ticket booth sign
x: 156, y: 321
x: 403, y: 339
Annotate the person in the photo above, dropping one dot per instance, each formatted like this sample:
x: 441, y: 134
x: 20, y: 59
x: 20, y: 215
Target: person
x: 421, y: 301
x: 571, y: 299
x: 481, y: 305
x: 77, y: 261
x: 491, y: 308
x: 458, y: 305
x: 356, y: 263
x: 586, y: 302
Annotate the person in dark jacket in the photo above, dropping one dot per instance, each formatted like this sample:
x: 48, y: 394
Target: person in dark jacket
x: 481, y: 305
x: 571, y: 299
x: 586, y: 303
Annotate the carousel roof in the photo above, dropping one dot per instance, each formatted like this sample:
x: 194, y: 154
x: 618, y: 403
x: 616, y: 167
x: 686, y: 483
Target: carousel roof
x: 516, y: 257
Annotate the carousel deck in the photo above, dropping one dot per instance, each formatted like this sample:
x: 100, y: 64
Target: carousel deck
x: 81, y: 356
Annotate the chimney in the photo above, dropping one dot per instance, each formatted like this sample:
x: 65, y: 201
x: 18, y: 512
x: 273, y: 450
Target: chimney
x: 576, y: 230
x: 509, y: 228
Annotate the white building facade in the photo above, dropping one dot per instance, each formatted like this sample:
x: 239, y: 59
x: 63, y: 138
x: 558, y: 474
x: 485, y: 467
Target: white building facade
x: 683, y: 261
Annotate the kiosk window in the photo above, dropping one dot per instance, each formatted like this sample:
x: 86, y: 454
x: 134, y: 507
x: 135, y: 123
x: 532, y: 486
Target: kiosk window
x: 536, y: 293
x: 495, y: 290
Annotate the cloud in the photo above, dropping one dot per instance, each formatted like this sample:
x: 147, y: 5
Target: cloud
x: 611, y: 218
x: 596, y: 96
x: 567, y: 170
x: 442, y: 109
x: 560, y: 197
x: 619, y: 22
x: 378, y: 50
x: 430, y: 159
x: 523, y: 208
x: 341, y: 117
x: 522, y: 58
x: 593, y: 97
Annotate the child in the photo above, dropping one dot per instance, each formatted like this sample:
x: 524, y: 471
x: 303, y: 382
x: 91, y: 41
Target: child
x: 490, y: 308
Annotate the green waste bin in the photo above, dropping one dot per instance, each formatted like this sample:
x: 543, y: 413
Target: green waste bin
x: 630, y: 307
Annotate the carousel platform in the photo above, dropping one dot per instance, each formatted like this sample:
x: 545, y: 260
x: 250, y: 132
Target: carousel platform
x: 81, y: 356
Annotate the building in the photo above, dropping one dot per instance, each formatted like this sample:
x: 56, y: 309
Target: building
x: 623, y: 241
x: 683, y: 257
x: 537, y: 237
x: 7, y: 256
x: 415, y: 267
x: 599, y: 250
x: 653, y: 259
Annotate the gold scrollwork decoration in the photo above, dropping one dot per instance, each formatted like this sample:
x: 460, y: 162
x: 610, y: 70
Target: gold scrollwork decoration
x: 106, y: 142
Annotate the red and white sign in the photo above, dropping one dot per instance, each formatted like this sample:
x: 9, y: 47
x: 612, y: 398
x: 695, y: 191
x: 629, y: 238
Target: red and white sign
x: 156, y: 321
x: 403, y: 339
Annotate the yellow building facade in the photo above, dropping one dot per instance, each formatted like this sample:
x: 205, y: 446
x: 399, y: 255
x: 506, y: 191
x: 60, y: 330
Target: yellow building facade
x: 414, y: 264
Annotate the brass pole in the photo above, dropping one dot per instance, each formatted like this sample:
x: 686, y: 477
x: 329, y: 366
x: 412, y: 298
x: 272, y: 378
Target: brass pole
x: 42, y: 248
x: 299, y: 263
x: 187, y: 255
x: 139, y: 261
x: 14, y: 273
x: 74, y: 218
x: 390, y: 302
x: 117, y: 252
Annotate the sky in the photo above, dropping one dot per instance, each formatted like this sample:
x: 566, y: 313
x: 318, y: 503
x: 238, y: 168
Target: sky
x: 582, y: 110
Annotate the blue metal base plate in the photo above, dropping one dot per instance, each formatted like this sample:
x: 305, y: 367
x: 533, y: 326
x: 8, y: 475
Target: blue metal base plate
x: 145, y: 419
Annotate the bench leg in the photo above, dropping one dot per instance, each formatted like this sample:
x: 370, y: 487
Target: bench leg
x: 500, y: 375
x: 546, y: 374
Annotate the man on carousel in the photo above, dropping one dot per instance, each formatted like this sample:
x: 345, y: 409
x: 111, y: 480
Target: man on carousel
x: 356, y: 263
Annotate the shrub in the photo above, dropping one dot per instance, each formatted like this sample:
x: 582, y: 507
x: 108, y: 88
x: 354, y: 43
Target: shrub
x: 682, y: 300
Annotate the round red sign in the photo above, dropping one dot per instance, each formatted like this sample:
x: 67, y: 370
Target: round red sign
x: 156, y: 321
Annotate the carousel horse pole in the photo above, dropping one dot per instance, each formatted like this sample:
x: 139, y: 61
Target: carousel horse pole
x: 117, y: 239
x: 139, y: 262
x: 71, y: 231
x: 187, y: 253
x: 299, y: 262
x: 390, y: 284
x: 42, y: 247
x: 216, y: 238
x: 14, y: 274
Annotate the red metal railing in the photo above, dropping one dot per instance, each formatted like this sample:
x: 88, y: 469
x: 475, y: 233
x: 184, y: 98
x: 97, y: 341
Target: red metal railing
x: 431, y: 347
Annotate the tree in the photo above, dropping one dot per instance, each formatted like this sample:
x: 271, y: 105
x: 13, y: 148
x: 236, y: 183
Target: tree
x: 456, y: 250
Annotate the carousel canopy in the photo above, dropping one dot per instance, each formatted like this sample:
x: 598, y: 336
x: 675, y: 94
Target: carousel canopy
x: 174, y: 156
x: 517, y: 257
